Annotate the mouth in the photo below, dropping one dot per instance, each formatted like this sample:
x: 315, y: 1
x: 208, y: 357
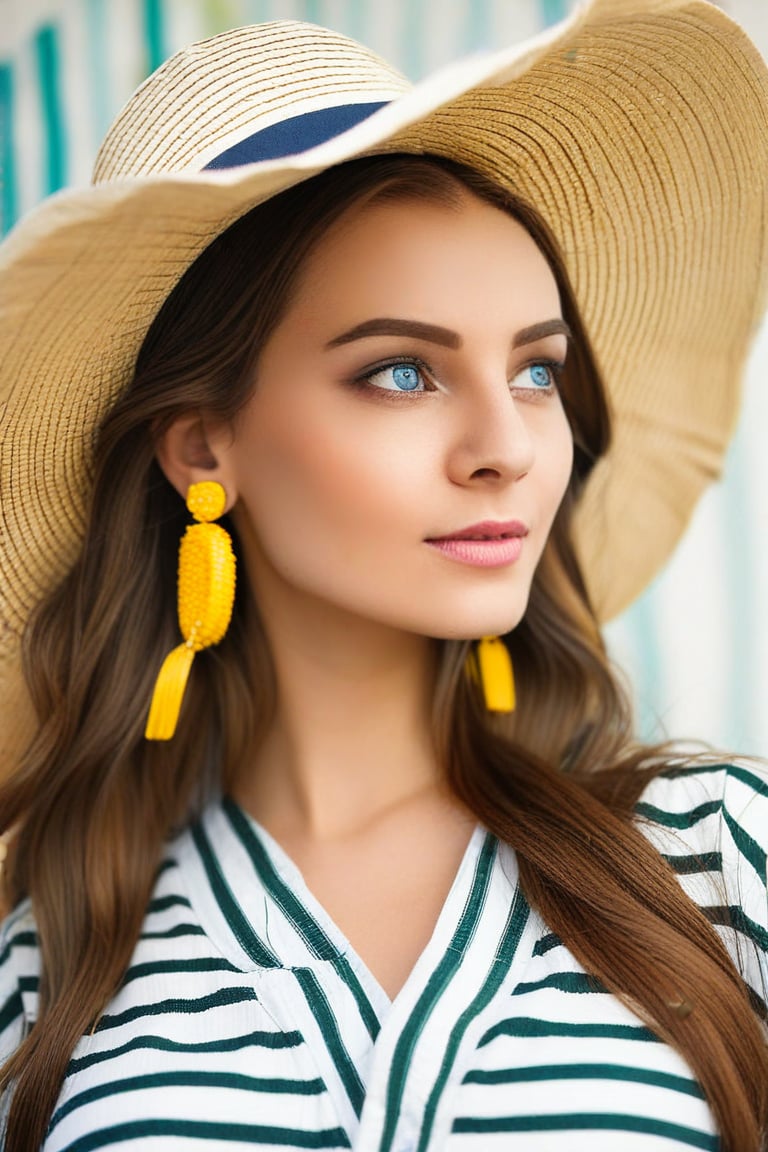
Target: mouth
x: 486, y: 545
x: 486, y: 530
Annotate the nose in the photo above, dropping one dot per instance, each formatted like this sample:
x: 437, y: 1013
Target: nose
x: 492, y: 441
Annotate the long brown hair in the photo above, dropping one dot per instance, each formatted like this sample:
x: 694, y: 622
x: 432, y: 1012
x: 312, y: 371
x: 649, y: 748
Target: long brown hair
x: 93, y: 802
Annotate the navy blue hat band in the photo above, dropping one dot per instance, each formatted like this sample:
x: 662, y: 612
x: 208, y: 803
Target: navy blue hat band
x: 294, y: 135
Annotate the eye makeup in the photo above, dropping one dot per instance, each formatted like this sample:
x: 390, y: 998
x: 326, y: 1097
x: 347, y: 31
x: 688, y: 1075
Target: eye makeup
x: 364, y: 380
x: 553, y: 370
x: 412, y: 366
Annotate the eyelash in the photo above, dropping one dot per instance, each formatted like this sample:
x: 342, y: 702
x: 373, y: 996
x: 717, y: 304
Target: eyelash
x: 363, y: 380
x: 555, y: 369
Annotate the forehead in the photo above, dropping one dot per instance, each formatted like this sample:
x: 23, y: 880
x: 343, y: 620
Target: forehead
x: 425, y: 254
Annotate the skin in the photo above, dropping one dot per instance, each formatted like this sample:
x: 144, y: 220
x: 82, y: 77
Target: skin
x: 336, y: 481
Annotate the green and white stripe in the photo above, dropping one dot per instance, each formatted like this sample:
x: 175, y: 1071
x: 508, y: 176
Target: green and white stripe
x: 246, y: 1018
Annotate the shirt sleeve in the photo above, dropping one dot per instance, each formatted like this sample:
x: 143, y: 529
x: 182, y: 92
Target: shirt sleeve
x: 711, y: 823
x: 19, y: 978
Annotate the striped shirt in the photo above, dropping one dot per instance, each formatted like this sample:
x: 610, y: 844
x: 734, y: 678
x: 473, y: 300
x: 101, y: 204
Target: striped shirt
x: 245, y: 1020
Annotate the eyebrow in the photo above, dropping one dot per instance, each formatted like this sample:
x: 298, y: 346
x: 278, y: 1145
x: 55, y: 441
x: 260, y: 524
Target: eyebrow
x: 434, y: 334
x: 388, y: 326
x: 556, y: 327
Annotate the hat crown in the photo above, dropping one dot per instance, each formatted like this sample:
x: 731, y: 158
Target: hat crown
x: 212, y: 95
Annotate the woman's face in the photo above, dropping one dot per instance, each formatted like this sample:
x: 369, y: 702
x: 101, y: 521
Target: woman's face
x: 408, y: 395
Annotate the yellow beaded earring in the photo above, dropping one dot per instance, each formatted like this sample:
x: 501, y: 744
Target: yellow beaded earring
x: 497, y: 679
x: 206, y: 593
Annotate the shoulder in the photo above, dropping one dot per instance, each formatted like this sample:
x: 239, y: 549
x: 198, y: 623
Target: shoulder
x: 19, y: 977
x: 710, y: 821
x: 707, y: 808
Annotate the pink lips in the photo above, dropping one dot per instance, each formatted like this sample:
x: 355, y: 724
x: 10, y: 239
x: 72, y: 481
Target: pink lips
x: 490, y: 544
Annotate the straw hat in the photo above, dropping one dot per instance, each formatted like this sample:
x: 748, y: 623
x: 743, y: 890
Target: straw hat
x: 639, y: 128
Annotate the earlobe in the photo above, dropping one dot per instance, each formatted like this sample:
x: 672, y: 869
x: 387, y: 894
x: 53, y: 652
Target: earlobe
x: 187, y: 454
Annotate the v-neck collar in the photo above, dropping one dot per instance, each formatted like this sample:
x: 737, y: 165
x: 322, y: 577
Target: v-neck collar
x: 276, y: 919
x: 254, y: 905
x: 325, y: 927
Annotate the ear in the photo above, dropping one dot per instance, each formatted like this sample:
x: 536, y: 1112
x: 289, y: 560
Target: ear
x: 193, y: 449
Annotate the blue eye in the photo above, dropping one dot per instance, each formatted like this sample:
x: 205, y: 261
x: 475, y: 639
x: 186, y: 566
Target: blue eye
x: 405, y: 377
x: 541, y: 377
x: 400, y: 377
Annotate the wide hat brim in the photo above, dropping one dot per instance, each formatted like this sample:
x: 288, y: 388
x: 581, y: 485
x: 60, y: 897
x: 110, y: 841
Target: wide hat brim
x: 639, y: 128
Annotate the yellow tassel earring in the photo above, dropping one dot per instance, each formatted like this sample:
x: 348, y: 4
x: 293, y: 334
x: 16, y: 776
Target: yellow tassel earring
x: 496, y: 674
x: 206, y: 593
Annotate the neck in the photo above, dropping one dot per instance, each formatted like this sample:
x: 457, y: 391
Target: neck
x: 351, y: 738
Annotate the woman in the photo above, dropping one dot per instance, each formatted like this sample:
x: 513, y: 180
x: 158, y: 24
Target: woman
x: 326, y: 884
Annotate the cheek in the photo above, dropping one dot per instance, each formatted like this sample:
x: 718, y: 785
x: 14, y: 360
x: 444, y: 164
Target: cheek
x: 555, y: 463
x: 326, y: 487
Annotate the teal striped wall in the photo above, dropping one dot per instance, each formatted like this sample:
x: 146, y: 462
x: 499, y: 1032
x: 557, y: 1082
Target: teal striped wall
x: 695, y: 647
x: 8, y: 144
x: 47, y: 49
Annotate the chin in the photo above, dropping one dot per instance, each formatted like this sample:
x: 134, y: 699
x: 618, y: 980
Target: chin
x: 478, y: 625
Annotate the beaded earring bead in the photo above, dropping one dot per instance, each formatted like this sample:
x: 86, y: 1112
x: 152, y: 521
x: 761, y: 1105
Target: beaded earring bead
x: 206, y: 593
